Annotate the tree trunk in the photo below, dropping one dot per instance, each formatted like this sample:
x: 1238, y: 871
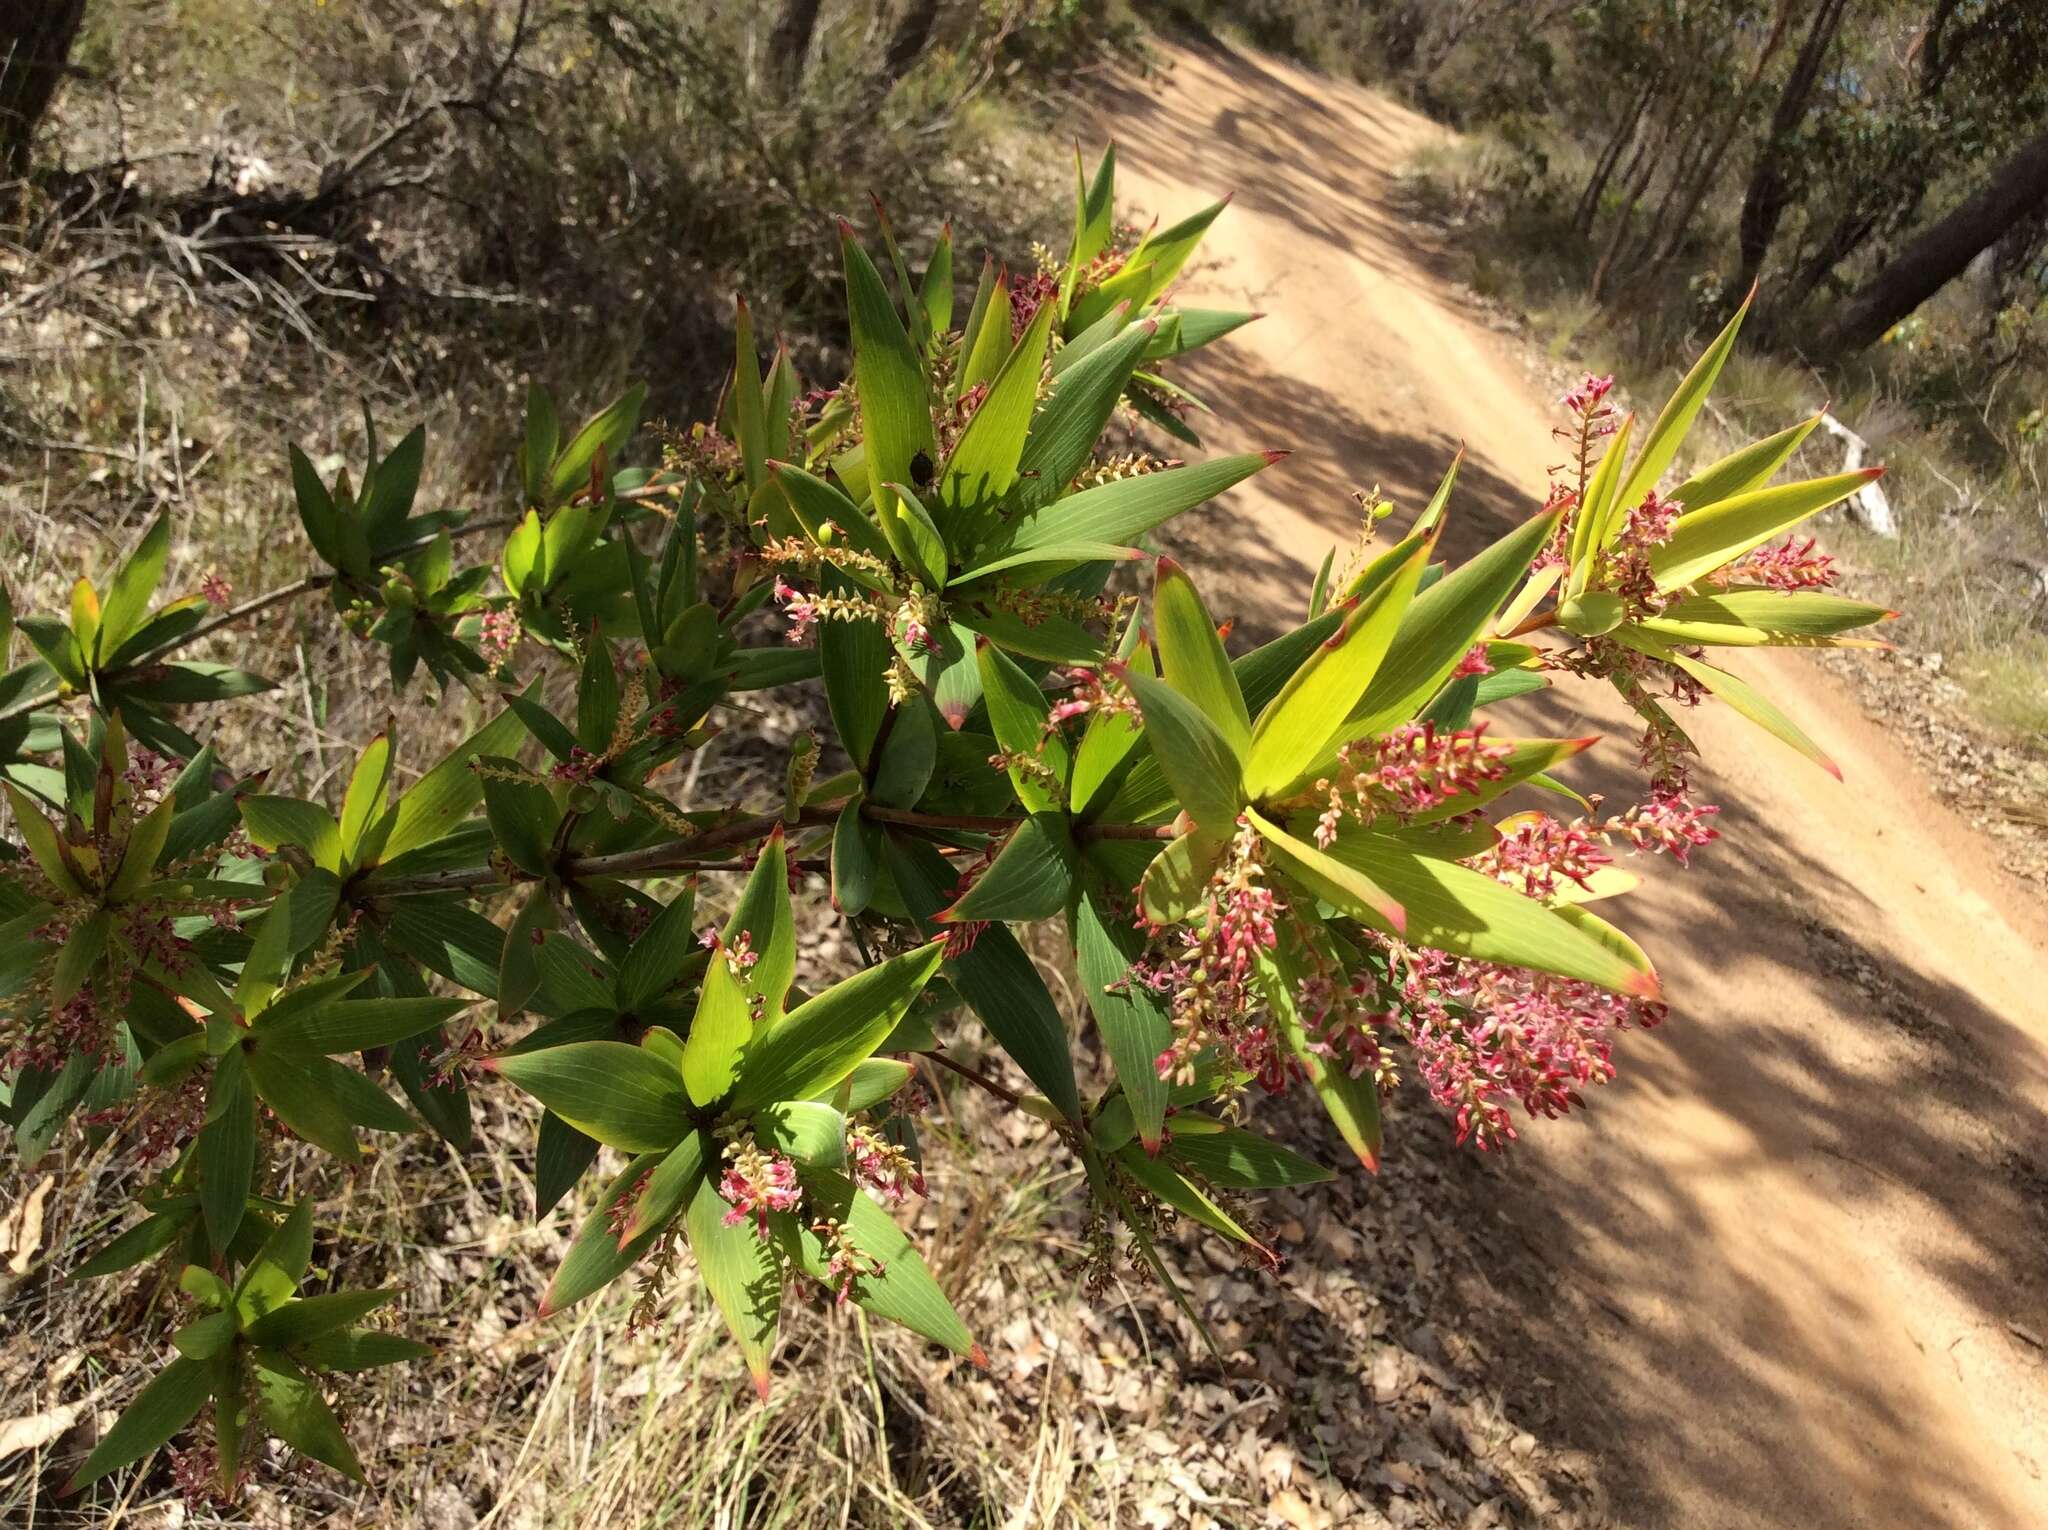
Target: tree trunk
x: 1942, y: 251
x: 907, y: 42
x: 1610, y: 157
x: 1765, y: 201
x: 35, y: 45
x: 1624, y: 218
x: 1710, y: 169
x: 789, y: 43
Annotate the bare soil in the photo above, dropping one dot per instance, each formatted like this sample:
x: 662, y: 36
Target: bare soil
x: 1788, y: 1268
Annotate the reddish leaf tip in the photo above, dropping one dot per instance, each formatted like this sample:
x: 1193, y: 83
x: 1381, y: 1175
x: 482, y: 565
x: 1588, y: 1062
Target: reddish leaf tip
x: 845, y: 229
x: 1874, y: 472
x: 1272, y: 455
x: 761, y: 1385
x: 979, y: 1356
x: 1645, y: 985
x: 1831, y: 768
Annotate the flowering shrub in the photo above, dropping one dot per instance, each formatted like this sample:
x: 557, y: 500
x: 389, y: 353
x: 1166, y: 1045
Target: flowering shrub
x: 1274, y: 869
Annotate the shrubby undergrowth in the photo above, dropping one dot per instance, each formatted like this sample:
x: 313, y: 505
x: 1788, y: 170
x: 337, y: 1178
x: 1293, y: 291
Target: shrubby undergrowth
x: 1275, y: 869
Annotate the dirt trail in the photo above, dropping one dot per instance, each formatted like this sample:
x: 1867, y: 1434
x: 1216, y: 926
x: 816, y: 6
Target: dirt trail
x: 1800, y: 1242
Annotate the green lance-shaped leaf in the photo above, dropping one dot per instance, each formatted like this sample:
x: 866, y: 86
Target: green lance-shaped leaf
x: 1064, y: 433
x: 873, y: 1080
x: 1747, y: 468
x: 273, y: 1276
x: 597, y: 1258
x: 668, y: 1186
x: 810, y: 1131
x: 170, y: 1402
x: 1742, y: 696
x: 621, y: 1095
x: 355, y: 1025
x: 1168, y: 1185
x: 1456, y: 909
x: 144, y: 1241
x: 1351, y: 888
x: 522, y: 814
x: 763, y: 916
x: 1131, y: 1017
x: 1197, y: 758
x: 1017, y: 711
x: 908, y: 755
x: 1717, y: 534
x: 1240, y: 1160
x: 856, y: 850
x: 1668, y: 432
x: 819, y: 504
x: 1124, y: 293
x: 291, y: 1407
x: 1030, y: 877
x: 819, y: 1042
x: 656, y: 959
x: 855, y: 661
x: 444, y: 796
x: 895, y: 409
x: 748, y: 408
x: 363, y: 804
x: 226, y: 1151
x: 719, y: 1033
x: 542, y: 439
x: 993, y: 975
x: 983, y: 466
x: 134, y: 586
x: 1192, y: 659
x: 1179, y: 875
x: 1306, y: 719
x: 359, y: 1351
x: 317, y: 512
x: 1094, y: 199
x: 1189, y: 329
x: 742, y: 1273
x: 985, y: 343
x: 1745, y: 618
x: 1167, y: 250
x: 904, y: 1291
x: 276, y: 821
x: 1352, y: 1104
x: 296, y: 1322
x: 1442, y: 624
x: 608, y: 431
x: 1125, y: 509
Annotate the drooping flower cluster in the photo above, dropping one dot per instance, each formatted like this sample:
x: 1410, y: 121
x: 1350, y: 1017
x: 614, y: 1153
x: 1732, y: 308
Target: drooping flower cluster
x: 1212, y: 977
x: 1091, y: 692
x: 1413, y: 769
x: 1669, y: 820
x: 1788, y: 565
x: 881, y: 1165
x: 1342, y: 1020
x: 499, y: 636
x: 1535, y: 850
x: 1486, y: 1035
x: 757, y: 1182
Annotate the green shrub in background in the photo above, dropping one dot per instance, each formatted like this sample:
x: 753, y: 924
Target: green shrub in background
x: 1273, y: 869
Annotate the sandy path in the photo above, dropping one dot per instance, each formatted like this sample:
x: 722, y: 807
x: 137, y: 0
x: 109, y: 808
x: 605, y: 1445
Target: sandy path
x: 1800, y: 1242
